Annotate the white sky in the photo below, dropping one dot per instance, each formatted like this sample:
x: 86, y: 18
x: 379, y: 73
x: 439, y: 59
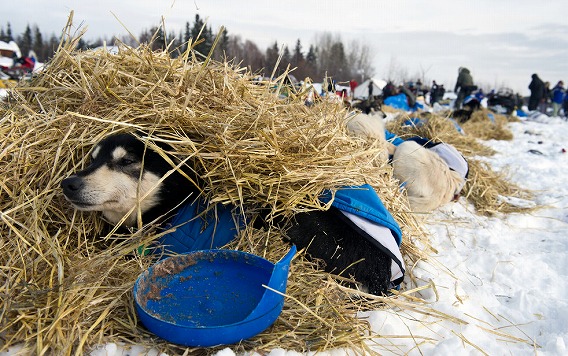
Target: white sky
x: 502, y: 42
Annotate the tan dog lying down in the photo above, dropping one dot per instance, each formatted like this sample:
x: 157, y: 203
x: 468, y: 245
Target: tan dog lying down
x: 424, y: 172
x: 428, y: 180
x: 370, y: 126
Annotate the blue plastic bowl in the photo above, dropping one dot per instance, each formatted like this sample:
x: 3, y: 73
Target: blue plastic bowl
x: 211, y: 297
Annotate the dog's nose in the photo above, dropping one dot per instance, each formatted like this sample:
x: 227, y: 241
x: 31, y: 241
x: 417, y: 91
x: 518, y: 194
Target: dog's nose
x: 72, y: 184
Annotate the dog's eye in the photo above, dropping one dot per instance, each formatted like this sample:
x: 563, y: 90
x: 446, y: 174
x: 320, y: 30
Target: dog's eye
x: 125, y: 161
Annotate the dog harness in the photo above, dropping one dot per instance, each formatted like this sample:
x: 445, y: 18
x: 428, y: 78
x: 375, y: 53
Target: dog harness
x: 365, y: 211
x: 197, y: 229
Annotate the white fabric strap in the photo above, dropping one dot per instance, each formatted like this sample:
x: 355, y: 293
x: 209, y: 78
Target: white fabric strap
x: 452, y: 157
x: 384, y: 236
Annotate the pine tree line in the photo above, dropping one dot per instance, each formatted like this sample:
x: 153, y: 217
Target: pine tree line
x: 32, y: 40
x: 328, y: 56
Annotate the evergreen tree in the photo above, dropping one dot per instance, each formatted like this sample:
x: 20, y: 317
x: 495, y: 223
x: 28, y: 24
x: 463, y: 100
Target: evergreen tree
x: 271, y: 58
x: 174, y: 44
x: 82, y: 44
x: 186, y: 36
x: 181, y: 44
x: 38, y: 46
x: 209, y: 39
x: 337, y: 65
x: 311, y: 66
x: 9, y: 36
x: 52, y: 46
x: 155, y: 37
x: 159, y: 40
x: 220, y: 51
x: 286, y: 58
x: 298, y: 56
x: 199, y: 27
x: 26, y: 41
x: 311, y: 57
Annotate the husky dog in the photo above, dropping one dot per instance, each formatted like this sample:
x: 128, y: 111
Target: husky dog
x: 128, y: 181
x: 432, y: 176
x: 370, y: 126
x: 126, y: 177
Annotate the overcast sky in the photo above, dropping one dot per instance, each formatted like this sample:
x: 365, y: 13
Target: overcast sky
x: 502, y: 42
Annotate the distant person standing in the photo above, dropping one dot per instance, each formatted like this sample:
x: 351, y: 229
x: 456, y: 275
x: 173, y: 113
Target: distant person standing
x: 537, y: 92
x: 557, y: 97
x: 546, y: 99
x: 565, y: 105
x: 441, y: 92
x: 370, y: 88
x: 434, y: 93
x: 464, y: 86
x: 389, y: 90
x: 352, y: 85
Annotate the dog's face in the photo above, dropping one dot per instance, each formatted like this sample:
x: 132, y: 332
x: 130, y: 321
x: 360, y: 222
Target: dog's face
x: 122, y: 173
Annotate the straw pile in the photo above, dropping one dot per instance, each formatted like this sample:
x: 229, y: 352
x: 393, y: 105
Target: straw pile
x: 67, y: 285
x: 483, y: 127
x: 484, y: 187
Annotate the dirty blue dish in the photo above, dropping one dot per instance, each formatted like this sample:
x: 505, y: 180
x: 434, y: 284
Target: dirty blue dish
x: 211, y: 297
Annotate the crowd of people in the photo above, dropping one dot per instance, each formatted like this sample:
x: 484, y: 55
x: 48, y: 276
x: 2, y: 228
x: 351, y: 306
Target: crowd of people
x: 542, y: 97
x: 549, y: 101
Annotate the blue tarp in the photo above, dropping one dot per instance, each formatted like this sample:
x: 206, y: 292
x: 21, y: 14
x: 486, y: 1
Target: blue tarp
x: 398, y: 102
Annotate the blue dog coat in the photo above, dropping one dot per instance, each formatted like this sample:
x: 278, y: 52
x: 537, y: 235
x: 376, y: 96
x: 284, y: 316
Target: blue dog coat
x: 363, y: 207
x: 196, y: 230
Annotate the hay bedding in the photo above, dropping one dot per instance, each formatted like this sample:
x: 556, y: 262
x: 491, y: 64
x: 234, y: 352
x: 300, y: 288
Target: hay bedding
x: 66, y: 285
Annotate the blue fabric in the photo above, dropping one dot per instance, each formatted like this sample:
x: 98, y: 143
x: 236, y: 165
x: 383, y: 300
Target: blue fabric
x: 521, y: 113
x: 194, y: 232
x: 364, y: 201
x: 468, y: 99
x: 457, y: 126
x: 558, y: 94
x: 397, y: 102
x: 392, y: 138
x: 414, y: 122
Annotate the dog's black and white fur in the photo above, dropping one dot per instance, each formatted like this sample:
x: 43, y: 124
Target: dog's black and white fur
x: 124, y: 169
x: 124, y: 177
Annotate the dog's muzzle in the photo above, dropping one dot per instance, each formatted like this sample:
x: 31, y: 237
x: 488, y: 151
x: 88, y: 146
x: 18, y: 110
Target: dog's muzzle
x: 72, y: 188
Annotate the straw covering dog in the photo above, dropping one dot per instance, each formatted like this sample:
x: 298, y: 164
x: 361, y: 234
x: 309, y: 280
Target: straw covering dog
x: 126, y: 178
